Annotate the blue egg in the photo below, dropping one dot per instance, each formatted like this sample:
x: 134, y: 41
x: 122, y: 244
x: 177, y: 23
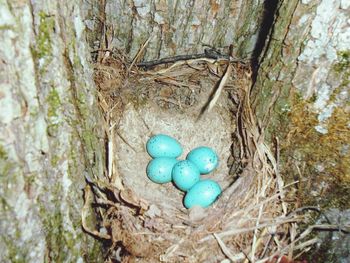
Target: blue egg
x: 159, y: 169
x: 185, y: 175
x: 203, y: 194
x: 162, y: 145
x: 204, y: 158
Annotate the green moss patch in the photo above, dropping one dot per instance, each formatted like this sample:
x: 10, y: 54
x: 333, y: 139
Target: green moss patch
x: 342, y: 67
x: 3, y: 154
x: 322, y: 158
x: 44, y: 42
x: 53, y: 101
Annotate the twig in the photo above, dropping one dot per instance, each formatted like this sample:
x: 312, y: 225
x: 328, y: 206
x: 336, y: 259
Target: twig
x: 216, y: 94
x: 308, y: 242
x: 110, y: 153
x: 233, y: 232
x: 87, y: 201
x: 208, y: 53
x: 255, y: 237
x: 312, y: 208
x: 267, y: 246
x: 224, y: 248
x: 139, y: 52
x: 247, y: 259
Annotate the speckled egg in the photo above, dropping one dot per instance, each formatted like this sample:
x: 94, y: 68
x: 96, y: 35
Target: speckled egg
x: 162, y: 145
x: 185, y: 174
x: 204, y: 158
x: 203, y: 194
x: 159, y: 169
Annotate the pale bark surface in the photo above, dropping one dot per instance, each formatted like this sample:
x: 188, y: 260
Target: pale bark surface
x: 176, y: 27
x: 50, y: 136
x: 304, y: 44
x: 305, y: 69
x: 302, y: 97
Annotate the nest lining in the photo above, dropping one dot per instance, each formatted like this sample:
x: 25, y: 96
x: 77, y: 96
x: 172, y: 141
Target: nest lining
x: 138, y: 124
x: 146, y: 222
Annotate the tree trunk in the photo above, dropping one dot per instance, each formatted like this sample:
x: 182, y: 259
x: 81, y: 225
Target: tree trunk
x: 174, y: 27
x: 50, y: 132
x: 301, y: 96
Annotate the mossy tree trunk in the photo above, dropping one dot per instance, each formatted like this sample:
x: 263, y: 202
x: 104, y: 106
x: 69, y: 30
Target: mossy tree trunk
x: 50, y: 132
x: 301, y: 96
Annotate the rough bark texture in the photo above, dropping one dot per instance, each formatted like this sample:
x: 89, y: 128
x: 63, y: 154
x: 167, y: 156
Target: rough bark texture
x: 50, y: 135
x: 175, y: 27
x: 306, y: 40
x: 304, y: 70
x: 301, y: 96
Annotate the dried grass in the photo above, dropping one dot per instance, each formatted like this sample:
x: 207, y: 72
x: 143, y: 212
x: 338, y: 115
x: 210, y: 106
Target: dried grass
x: 251, y: 222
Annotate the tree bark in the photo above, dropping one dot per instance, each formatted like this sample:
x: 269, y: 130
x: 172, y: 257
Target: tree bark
x: 175, y: 27
x: 302, y: 84
x: 301, y: 96
x: 50, y: 132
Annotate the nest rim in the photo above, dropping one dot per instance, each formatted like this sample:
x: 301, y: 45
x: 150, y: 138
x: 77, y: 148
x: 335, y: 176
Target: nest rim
x: 230, y: 229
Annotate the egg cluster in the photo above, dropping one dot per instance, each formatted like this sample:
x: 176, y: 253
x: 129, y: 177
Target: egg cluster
x: 185, y: 174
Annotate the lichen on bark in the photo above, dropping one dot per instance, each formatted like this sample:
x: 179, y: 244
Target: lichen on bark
x: 48, y: 113
x: 301, y: 97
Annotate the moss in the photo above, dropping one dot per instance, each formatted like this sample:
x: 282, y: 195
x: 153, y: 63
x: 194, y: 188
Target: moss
x: 304, y: 145
x: 15, y: 252
x: 54, y: 103
x: 344, y: 61
x: 54, y: 160
x: 44, y: 42
x: 34, y: 112
x: 6, y: 168
x: 337, y: 197
x: 72, y: 46
x: 342, y: 67
x: 3, y: 154
x: 4, y: 204
x: 73, y: 161
x: 31, y: 178
x: 58, y: 240
x: 283, y: 107
x: 6, y: 27
x: 91, y: 250
x: 84, y: 144
x: 55, y: 242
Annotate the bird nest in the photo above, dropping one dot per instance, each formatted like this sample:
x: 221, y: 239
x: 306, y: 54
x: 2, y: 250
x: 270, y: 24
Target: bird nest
x: 200, y: 102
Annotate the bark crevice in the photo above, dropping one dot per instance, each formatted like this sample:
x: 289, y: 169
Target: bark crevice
x: 265, y: 32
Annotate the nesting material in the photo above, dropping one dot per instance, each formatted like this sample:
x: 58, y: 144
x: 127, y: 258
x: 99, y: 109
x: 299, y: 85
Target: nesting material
x: 146, y: 222
x: 137, y: 125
